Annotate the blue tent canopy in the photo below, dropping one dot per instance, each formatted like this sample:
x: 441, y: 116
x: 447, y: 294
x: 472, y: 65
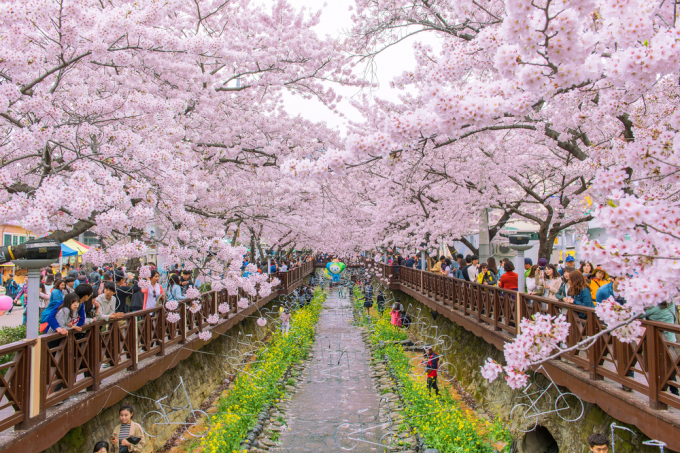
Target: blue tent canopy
x: 67, y: 251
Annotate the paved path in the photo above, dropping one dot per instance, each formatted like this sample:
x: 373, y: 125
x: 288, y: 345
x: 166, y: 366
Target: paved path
x: 324, y: 402
x: 12, y: 319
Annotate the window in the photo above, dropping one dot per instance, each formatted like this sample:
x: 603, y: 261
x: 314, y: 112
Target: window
x: 8, y: 240
x: 15, y: 240
x: 30, y: 238
x: 22, y: 239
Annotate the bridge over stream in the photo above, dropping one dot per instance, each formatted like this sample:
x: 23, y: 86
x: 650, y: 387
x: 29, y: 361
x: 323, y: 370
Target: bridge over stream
x: 595, y: 374
x: 58, y: 382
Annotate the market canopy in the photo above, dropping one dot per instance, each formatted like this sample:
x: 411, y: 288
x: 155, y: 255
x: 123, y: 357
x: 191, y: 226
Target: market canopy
x: 73, y: 248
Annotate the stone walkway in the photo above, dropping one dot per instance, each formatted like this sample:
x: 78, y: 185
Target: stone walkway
x: 332, y: 394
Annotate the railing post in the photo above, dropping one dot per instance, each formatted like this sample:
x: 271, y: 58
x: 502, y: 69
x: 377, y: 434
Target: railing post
x: 594, y: 350
x: 496, y: 310
x: 654, y: 367
x: 95, y: 357
x: 183, y: 322
x: 160, y: 325
x: 33, y: 393
x: 518, y: 311
x: 133, y: 342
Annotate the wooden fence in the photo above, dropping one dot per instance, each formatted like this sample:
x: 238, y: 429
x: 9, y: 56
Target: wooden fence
x: 650, y: 367
x: 67, y: 364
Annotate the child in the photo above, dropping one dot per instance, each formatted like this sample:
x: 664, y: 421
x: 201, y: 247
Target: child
x: 396, y: 314
x: 66, y: 316
x: 285, y: 321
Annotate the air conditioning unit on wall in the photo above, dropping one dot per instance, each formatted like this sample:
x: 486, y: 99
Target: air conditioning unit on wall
x: 502, y: 250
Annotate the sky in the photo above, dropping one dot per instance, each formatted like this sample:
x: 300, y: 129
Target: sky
x: 335, y: 20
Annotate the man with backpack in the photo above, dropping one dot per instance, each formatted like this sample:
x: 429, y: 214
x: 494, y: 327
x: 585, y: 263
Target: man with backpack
x: 11, y: 289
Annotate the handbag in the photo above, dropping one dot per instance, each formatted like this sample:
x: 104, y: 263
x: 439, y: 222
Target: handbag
x: 133, y: 440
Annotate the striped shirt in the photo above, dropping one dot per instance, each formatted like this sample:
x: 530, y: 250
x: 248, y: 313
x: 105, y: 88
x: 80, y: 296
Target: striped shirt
x: 124, y: 432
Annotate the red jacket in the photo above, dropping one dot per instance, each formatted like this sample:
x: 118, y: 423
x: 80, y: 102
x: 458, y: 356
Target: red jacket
x: 508, y: 281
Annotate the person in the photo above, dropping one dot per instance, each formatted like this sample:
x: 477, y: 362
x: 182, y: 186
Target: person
x: 284, y: 267
x: 536, y: 278
x: 570, y: 265
x: 600, y: 278
x: 587, y: 270
x: 473, y: 271
x: 186, y: 281
x: 11, y: 287
x: 122, y: 433
x: 381, y: 302
x: 123, y: 291
x: 66, y: 316
x: 446, y: 267
x: 453, y: 266
x: 70, y: 282
x: 94, y: 279
x: 49, y: 281
x: 564, y: 288
x: 491, y: 262
x: 501, y: 268
x: 368, y: 301
x: 272, y: 268
x: 509, y: 278
x: 528, y: 264
x: 578, y: 293
x: 106, y: 277
x: 101, y: 447
x: 437, y: 268
x: 552, y: 282
x: 108, y: 304
x: 461, y: 266
x: 486, y: 277
x: 395, y: 314
x: 466, y: 269
x: 285, y: 321
x: 56, y: 299
x: 174, y: 289
x: 611, y: 290
x: 410, y: 262
x: 431, y: 365
x: 154, y: 293
x: 598, y: 443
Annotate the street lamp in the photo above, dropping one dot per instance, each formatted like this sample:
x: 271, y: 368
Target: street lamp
x: 270, y: 255
x: 39, y: 253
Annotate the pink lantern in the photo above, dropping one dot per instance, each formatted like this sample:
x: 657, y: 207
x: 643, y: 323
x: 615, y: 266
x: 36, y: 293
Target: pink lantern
x: 5, y: 303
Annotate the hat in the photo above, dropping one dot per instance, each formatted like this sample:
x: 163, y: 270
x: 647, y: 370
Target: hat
x: 528, y: 261
x: 570, y: 259
x: 542, y: 262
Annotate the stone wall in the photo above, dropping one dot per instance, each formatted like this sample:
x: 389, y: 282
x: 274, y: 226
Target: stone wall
x: 469, y: 352
x: 202, y: 374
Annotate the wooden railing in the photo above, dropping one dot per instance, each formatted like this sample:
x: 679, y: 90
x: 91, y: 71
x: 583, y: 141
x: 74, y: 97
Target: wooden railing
x: 649, y: 367
x: 79, y: 361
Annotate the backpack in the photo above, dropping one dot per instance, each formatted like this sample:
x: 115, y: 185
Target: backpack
x: 12, y: 288
x: 137, y: 301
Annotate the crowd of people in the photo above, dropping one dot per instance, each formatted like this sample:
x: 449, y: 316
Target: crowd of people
x: 73, y: 297
x: 587, y: 285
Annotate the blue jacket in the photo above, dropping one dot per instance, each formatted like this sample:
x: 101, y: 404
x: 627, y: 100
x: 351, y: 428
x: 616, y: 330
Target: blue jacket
x: 50, y: 313
x: 584, y: 298
x: 175, y: 293
x: 410, y: 263
x: 605, y: 292
x: 56, y: 298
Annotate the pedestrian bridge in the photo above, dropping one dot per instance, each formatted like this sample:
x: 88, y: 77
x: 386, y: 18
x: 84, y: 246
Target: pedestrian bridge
x: 106, y: 362
x: 595, y: 374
